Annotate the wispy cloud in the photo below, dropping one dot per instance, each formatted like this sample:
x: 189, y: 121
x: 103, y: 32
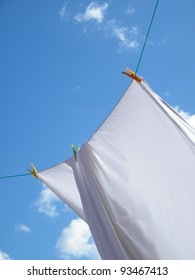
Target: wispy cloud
x: 130, y: 10
x: 127, y: 36
x: 76, y: 242
x: 4, y: 256
x: 22, y: 228
x: 76, y: 88
x: 161, y: 42
x: 46, y: 202
x: 164, y: 40
x: 167, y: 94
x: 63, y: 14
x: 185, y: 115
x: 93, y: 11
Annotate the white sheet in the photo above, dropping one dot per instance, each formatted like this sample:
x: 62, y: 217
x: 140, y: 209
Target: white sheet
x: 136, y: 181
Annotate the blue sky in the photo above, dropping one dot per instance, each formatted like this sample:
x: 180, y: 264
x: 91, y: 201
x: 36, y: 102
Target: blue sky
x: 60, y: 75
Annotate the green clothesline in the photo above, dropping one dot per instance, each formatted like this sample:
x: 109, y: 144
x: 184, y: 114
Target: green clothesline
x: 150, y: 25
x: 138, y: 64
x: 14, y: 176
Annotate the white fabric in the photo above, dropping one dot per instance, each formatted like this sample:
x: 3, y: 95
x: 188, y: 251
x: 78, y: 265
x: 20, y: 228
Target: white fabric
x: 136, y: 180
x: 60, y: 180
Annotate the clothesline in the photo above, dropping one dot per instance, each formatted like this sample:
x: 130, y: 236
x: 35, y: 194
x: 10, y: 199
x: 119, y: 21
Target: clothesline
x: 138, y: 64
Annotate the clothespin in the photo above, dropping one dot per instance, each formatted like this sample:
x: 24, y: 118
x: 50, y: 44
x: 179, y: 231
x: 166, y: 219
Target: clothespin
x: 132, y: 75
x: 75, y: 151
x: 33, y: 171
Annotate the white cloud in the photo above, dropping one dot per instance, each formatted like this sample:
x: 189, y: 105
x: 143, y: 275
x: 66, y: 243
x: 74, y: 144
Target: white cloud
x: 187, y: 116
x: 76, y: 88
x: 76, y: 242
x: 127, y: 36
x: 93, y: 12
x: 130, y: 10
x: 4, y: 256
x: 63, y: 14
x: 167, y: 94
x: 22, y: 228
x: 46, y: 202
x: 162, y: 41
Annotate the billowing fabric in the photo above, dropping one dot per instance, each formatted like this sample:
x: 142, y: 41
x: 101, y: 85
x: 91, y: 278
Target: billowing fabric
x: 60, y: 180
x: 134, y: 180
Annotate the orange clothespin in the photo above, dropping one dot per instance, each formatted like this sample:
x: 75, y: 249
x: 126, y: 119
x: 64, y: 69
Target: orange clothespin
x: 132, y: 75
x: 33, y: 172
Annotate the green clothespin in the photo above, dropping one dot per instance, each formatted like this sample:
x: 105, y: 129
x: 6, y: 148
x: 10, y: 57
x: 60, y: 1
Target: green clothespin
x: 33, y: 171
x: 75, y: 151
